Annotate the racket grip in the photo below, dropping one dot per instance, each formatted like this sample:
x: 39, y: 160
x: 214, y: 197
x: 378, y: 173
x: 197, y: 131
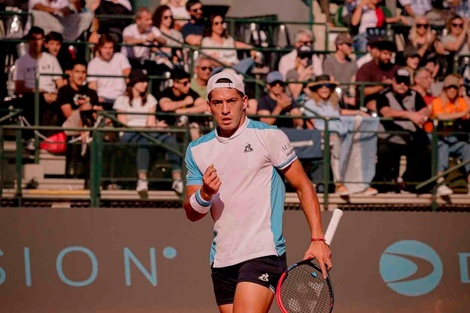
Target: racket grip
x: 330, y: 232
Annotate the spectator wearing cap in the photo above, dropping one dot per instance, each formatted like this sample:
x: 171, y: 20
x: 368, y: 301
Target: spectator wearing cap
x: 340, y: 66
x: 379, y: 70
x: 193, y: 30
x: 140, y: 34
x: 108, y: 63
x: 411, y: 112
x: 324, y: 103
x: 303, y: 39
x: 371, y: 14
x: 423, y: 38
x: 181, y: 99
x: 457, y: 41
x: 452, y: 110
x: 277, y: 102
x: 422, y: 84
x: 137, y: 100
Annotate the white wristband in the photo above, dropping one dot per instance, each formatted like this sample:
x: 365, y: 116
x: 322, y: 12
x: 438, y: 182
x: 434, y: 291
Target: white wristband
x: 198, y: 204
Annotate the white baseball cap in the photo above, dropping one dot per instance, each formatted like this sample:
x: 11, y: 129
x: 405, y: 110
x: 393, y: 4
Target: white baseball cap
x: 225, y: 80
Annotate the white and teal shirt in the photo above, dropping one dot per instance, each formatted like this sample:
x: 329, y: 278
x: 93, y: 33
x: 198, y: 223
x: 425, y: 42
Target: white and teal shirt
x: 248, y: 209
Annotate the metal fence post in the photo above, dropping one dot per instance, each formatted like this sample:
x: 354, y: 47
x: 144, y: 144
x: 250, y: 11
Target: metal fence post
x: 19, y: 167
x: 36, y: 116
x: 1, y: 163
x: 96, y: 168
x: 326, y: 164
x: 434, y: 162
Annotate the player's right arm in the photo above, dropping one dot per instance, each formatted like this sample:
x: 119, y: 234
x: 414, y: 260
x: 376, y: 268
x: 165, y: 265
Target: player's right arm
x: 198, y: 200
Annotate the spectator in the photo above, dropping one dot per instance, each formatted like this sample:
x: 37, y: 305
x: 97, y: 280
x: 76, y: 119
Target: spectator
x: 344, y: 14
x: 303, y: 39
x: 432, y: 64
x: 140, y: 34
x: 111, y: 26
x: 460, y: 7
x: 278, y: 102
x: 27, y: 68
x: 372, y: 51
x: 457, y: 40
x: 451, y: 109
x: 412, y: 59
x: 181, y: 99
x: 107, y: 62
x: 379, y: 70
x: 422, y: 38
x: 423, y: 81
x: 324, y: 103
x: 403, y: 103
x: 339, y: 66
x: 76, y: 92
x: 202, y: 69
x: 215, y: 37
x: 63, y: 16
x: 370, y: 14
x: 164, y: 20
x: 179, y: 12
x: 302, y: 71
x: 53, y: 45
x: 415, y: 8
x: 137, y: 100
x: 193, y: 31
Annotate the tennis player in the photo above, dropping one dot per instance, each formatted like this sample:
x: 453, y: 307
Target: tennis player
x: 236, y: 173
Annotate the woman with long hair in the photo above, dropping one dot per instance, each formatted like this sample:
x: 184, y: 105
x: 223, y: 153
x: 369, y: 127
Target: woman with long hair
x: 215, y: 38
x: 423, y: 38
x: 457, y: 40
x: 451, y: 108
x: 164, y: 21
x: 324, y: 103
x: 138, y: 100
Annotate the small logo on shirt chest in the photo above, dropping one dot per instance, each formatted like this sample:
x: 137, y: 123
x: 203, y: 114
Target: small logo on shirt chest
x: 248, y: 148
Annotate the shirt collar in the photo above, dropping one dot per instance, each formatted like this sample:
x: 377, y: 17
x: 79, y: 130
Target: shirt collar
x: 239, y: 131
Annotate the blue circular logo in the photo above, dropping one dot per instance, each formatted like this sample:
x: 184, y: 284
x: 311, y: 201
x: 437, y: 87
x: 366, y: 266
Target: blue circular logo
x: 411, y: 268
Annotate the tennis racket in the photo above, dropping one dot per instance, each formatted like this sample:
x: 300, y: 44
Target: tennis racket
x: 302, y: 288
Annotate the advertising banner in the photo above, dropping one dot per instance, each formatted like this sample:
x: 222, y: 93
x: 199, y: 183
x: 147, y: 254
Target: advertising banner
x: 155, y: 260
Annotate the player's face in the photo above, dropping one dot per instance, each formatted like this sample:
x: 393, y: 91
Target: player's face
x: 227, y: 106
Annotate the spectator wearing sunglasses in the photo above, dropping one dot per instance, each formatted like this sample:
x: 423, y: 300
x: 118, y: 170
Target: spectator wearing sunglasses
x: 422, y: 38
x: 202, y: 70
x: 194, y: 29
x: 410, y: 112
x: 179, y: 12
x: 339, y: 66
x: 324, y: 103
x: 457, y: 41
x: 452, y: 110
x: 164, y: 21
x: 181, y: 99
x: 303, y: 39
x: 277, y: 102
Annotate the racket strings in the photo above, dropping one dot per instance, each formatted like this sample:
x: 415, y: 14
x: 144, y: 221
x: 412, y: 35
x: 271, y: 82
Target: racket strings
x: 306, y: 291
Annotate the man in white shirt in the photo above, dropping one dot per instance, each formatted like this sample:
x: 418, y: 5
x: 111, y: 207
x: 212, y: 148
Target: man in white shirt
x: 303, y: 37
x: 108, y: 63
x: 60, y: 16
x: 27, y: 69
x: 141, y: 33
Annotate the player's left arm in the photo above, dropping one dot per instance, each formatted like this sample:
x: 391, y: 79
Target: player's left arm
x: 296, y: 176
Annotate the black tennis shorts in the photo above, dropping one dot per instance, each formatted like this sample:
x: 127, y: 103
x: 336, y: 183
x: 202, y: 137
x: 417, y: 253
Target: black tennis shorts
x: 264, y: 271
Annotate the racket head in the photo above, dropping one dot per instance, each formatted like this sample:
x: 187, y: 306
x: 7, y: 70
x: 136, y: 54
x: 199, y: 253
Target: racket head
x: 302, y: 289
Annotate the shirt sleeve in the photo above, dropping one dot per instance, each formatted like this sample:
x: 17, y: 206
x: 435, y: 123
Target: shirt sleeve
x: 193, y: 174
x: 152, y: 102
x: 280, y: 149
x: 18, y: 74
x: 361, y: 75
x: 420, y: 103
x: 62, y: 96
x: 92, y: 71
x: 382, y: 102
x: 436, y: 107
x: 156, y: 31
x: 328, y: 67
x: 123, y: 61
x: 120, y: 103
x: 56, y: 69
